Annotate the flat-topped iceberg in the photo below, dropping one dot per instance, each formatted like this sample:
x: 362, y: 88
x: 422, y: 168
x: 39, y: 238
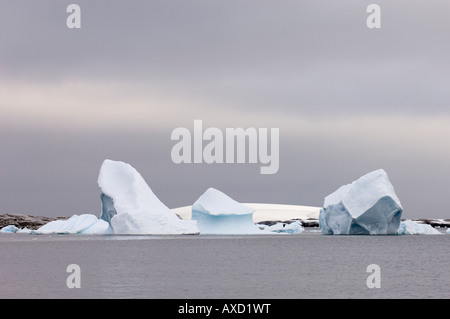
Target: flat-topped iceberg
x: 369, y: 205
x: 217, y: 213
x: 86, y: 224
x: 409, y: 227
x: 131, y: 207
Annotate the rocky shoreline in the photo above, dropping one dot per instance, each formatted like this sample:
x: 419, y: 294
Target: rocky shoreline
x: 312, y: 222
x: 35, y: 222
x: 26, y: 221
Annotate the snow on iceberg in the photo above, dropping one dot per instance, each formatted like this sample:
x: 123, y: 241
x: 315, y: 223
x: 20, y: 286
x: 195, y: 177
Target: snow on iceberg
x: 369, y: 205
x: 409, y: 227
x: 131, y: 207
x: 217, y: 213
x: 87, y: 224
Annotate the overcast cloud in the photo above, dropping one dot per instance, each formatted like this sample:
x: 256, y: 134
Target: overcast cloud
x: 347, y: 99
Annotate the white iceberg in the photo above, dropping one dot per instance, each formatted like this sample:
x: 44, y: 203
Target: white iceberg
x: 99, y: 227
x: 131, y: 207
x: 369, y: 205
x: 24, y: 231
x: 287, y: 228
x: 86, y: 224
x: 409, y: 227
x: 217, y: 213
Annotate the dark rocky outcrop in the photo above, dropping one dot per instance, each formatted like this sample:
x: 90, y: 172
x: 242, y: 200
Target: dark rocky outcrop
x: 25, y: 221
x: 445, y: 223
x: 310, y: 222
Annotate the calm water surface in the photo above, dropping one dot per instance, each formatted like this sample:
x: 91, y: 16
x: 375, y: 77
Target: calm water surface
x: 307, y: 265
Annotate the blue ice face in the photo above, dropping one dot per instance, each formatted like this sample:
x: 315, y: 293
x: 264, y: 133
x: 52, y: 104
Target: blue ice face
x: 383, y: 218
x: 108, y: 210
x: 224, y: 224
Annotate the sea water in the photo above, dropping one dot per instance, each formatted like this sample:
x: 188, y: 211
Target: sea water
x: 307, y: 265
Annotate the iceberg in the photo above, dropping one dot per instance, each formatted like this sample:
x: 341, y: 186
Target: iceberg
x: 448, y: 230
x: 409, y: 227
x: 286, y: 228
x: 369, y: 205
x: 86, y: 224
x: 13, y: 229
x: 9, y: 229
x: 217, y: 213
x: 99, y: 227
x: 130, y: 206
x: 24, y: 230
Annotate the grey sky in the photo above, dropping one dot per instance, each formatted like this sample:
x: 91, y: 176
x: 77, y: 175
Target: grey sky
x: 347, y: 99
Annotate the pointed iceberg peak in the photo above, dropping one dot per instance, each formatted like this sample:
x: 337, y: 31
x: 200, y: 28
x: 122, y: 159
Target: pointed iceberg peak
x: 368, y: 205
x: 131, y: 207
x: 123, y: 189
x: 217, y: 213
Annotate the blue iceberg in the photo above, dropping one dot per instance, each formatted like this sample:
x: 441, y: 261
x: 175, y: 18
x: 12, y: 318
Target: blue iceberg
x: 368, y: 206
x: 217, y: 213
x: 13, y: 229
x: 9, y: 229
